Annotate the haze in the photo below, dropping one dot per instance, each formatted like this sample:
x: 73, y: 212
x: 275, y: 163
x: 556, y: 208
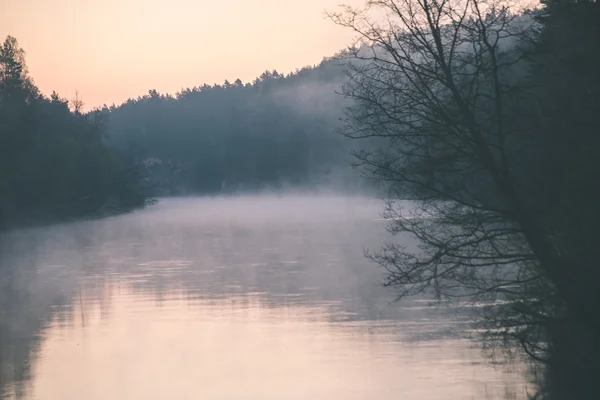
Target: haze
x: 111, y: 50
x: 290, y: 200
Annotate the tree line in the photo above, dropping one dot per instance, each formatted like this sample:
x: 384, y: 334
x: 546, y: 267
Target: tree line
x: 60, y: 162
x: 274, y: 132
x: 54, y: 164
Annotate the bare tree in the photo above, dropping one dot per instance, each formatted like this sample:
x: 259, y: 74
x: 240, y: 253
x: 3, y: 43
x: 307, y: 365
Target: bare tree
x: 77, y: 104
x: 435, y: 84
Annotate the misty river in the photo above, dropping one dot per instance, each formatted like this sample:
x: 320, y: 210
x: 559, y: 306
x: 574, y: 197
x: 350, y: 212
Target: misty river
x: 258, y: 297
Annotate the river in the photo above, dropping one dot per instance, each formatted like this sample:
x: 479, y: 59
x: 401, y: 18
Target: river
x: 257, y: 297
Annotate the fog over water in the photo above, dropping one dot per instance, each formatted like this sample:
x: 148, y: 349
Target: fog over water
x: 256, y: 297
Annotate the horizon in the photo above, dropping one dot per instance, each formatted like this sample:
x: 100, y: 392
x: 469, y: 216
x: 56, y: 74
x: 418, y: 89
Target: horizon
x: 97, y: 50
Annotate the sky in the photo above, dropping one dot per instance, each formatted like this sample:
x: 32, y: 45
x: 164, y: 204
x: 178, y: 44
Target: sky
x: 111, y: 50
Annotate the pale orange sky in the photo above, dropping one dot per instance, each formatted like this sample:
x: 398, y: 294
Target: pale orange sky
x: 110, y: 50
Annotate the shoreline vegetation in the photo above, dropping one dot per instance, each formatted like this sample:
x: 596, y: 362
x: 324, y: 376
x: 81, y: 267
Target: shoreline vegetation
x: 54, y: 163
x: 61, y: 163
x: 484, y: 113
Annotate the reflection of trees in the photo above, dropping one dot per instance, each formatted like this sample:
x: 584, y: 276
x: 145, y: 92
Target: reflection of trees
x: 30, y: 296
x: 61, y: 273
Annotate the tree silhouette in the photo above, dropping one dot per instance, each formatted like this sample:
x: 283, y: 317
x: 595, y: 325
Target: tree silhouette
x: 444, y: 94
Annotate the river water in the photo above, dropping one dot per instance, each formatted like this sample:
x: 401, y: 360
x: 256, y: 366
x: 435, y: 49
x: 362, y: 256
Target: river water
x: 260, y: 297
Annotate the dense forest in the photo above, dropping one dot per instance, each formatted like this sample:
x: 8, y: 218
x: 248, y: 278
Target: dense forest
x: 60, y: 162
x: 278, y: 131
x: 54, y: 164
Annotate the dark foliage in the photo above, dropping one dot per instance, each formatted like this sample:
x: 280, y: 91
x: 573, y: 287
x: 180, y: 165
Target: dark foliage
x: 53, y: 162
x: 276, y: 131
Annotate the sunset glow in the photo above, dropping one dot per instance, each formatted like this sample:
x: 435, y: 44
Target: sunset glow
x: 110, y: 50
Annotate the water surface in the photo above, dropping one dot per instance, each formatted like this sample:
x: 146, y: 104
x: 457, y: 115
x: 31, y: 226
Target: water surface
x: 260, y: 297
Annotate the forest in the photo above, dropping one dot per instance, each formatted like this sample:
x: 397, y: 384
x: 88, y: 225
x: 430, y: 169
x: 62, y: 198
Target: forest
x: 54, y: 162
x: 61, y: 162
x: 277, y: 131
x: 483, y: 113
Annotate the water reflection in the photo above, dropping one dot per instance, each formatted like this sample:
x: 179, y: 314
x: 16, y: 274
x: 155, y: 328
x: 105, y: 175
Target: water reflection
x: 236, y: 298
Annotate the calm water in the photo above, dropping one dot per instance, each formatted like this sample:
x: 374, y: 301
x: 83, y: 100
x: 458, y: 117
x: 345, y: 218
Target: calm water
x: 238, y: 298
